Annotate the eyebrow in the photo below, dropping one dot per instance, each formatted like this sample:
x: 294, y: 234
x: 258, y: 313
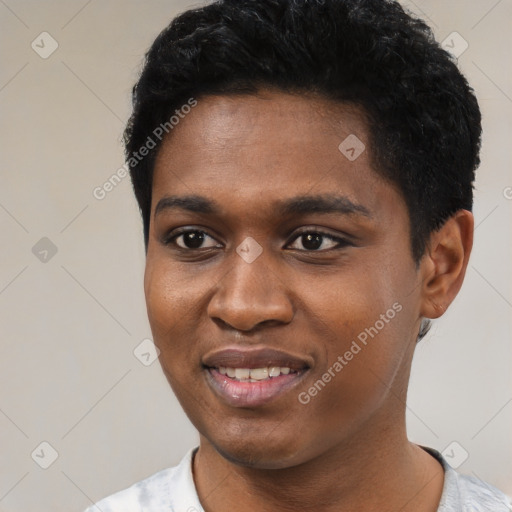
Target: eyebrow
x: 300, y: 205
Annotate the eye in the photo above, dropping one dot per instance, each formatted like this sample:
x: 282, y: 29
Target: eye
x: 191, y: 239
x: 313, y: 240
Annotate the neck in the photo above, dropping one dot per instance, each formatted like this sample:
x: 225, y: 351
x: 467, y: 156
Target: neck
x: 377, y: 469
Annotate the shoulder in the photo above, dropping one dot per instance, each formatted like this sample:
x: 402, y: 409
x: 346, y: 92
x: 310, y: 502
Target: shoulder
x: 478, y: 496
x: 137, y: 497
x: 468, y: 494
x: 169, y: 489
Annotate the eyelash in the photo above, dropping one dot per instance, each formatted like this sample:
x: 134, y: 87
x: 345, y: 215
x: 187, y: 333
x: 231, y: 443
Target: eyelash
x: 341, y: 242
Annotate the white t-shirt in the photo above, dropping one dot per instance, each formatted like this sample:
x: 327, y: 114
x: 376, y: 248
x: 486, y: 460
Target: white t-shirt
x: 173, y: 490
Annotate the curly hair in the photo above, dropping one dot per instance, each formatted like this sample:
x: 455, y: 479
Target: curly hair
x: 424, y: 119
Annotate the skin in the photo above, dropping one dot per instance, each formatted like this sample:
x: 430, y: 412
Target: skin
x: 347, y: 449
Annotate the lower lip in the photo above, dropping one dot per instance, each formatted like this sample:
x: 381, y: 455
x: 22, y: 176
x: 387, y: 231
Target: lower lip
x: 251, y: 394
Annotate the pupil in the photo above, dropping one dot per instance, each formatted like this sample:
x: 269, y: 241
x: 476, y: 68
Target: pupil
x: 312, y: 241
x: 194, y: 239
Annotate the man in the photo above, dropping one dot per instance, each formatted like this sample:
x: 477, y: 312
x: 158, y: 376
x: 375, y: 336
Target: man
x: 304, y: 171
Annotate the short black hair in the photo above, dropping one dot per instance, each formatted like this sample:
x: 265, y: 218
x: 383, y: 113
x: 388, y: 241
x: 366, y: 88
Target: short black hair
x: 424, y: 119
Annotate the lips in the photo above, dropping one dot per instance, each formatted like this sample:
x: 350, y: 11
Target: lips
x: 253, y: 377
x: 255, y: 358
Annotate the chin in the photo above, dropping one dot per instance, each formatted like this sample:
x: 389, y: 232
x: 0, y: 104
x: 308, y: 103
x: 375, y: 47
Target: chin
x: 256, y: 458
x: 259, y: 451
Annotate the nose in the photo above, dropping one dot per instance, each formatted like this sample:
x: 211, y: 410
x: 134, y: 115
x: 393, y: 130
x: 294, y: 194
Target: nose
x: 251, y: 294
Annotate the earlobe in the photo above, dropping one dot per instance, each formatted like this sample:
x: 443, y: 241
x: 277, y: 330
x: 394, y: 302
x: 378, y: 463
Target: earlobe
x: 443, y: 267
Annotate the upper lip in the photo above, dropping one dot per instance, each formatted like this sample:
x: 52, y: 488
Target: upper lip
x: 255, y: 358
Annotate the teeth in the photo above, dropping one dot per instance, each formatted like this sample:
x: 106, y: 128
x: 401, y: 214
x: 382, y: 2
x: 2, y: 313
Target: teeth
x: 254, y: 374
x: 275, y: 371
x: 242, y: 373
x: 259, y: 373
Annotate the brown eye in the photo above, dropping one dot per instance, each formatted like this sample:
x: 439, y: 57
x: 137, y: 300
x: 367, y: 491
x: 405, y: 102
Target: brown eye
x: 191, y: 239
x: 317, y: 241
x: 312, y: 241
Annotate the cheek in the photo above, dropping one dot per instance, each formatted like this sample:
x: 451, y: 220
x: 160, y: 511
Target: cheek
x: 172, y: 305
x: 366, y: 333
x: 352, y: 301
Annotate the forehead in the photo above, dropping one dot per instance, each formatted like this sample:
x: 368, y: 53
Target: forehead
x: 256, y: 149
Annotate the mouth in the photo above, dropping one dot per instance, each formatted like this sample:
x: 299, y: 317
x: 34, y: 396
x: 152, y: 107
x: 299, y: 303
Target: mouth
x: 255, y: 374
x: 255, y: 377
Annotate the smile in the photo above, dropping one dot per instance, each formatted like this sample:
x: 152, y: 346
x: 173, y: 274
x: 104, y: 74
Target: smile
x: 252, y: 377
x: 246, y: 392
x: 255, y: 374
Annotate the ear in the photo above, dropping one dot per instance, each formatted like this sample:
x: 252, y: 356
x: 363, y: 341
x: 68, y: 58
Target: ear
x: 443, y: 266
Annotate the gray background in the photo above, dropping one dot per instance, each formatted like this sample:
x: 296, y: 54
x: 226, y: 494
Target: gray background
x: 70, y: 323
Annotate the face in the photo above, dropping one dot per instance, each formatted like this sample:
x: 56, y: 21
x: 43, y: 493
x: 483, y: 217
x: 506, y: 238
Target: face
x: 280, y: 286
